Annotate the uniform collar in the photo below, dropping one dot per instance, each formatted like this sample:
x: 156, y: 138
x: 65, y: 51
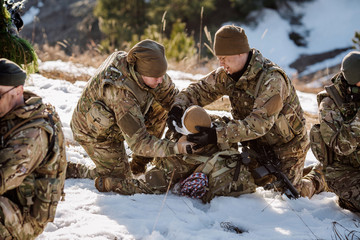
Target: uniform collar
x: 254, y: 66
x: 236, y: 76
x: 32, y: 105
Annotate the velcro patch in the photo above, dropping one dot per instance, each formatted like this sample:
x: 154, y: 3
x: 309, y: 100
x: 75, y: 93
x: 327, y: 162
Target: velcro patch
x: 273, y: 105
x: 129, y: 124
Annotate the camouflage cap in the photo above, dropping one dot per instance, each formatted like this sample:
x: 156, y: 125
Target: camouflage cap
x: 350, y: 67
x: 11, y: 74
x: 149, y: 58
x: 230, y: 40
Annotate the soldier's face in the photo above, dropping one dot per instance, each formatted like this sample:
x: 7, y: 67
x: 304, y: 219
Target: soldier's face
x: 233, y: 63
x: 152, y: 82
x: 9, y: 98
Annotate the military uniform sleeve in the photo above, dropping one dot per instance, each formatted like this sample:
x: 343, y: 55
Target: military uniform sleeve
x: 21, y: 155
x: 130, y: 120
x: 165, y: 93
x: 341, y: 137
x: 266, y: 108
x: 207, y: 90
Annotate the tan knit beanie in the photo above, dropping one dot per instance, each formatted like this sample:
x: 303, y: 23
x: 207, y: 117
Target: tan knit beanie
x: 230, y: 40
x: 149, y: 58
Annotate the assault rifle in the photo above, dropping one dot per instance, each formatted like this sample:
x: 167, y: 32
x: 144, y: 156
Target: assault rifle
x: 268, y: 167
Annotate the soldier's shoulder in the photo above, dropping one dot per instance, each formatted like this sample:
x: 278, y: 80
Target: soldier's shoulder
x: 323, y: 96
x: 31, y: 135
x: 219, y: 75
x: 219, y: 70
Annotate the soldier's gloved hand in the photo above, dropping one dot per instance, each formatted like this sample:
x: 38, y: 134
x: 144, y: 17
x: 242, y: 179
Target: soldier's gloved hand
x: 184, y: 147
x: 204, y: 137
x: 175, y: 114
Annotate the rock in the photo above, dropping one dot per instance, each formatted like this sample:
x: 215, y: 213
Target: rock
x: 306, y: 60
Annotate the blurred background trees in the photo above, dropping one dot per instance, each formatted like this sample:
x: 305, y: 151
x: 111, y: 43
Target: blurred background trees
x: 177, y: 24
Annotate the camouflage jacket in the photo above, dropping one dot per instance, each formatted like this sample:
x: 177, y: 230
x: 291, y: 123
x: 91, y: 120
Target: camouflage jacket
x: 113, y: 106
x: 32, y: 158
x: 341, y: 134
x: 265, y: 106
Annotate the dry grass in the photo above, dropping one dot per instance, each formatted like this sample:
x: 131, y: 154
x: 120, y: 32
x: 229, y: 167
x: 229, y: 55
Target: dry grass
x: 93, y: 57
x: 194, y: 66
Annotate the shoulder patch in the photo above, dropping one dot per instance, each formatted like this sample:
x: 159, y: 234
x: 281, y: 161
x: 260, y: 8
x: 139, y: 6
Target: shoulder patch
x: 129, y: 124
x: 273, y: 105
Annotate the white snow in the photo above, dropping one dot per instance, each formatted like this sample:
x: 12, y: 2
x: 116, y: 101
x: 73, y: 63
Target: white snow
x: 89, y: 214
x: 332, y: 24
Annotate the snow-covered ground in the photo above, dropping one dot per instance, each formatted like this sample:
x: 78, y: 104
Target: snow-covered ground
x: 89, y: 214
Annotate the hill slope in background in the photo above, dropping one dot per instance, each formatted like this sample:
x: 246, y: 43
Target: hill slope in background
x: 327, y: 27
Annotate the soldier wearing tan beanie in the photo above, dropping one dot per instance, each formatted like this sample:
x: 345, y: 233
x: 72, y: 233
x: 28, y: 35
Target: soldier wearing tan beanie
x: 126, y: 101
x: 230, y: 40
x: 267, y: 115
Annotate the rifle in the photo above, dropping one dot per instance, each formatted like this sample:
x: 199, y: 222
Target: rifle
x: 268, y: 167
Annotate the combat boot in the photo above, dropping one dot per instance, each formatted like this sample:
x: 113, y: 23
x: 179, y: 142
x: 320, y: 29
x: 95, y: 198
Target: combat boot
x: 314, y: 181
x: 121, y: 186
x: 138, y: 164
x: 78, y: 170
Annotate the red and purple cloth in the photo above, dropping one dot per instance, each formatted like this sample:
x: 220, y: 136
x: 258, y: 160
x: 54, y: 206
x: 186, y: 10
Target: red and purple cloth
x: 195, y: 185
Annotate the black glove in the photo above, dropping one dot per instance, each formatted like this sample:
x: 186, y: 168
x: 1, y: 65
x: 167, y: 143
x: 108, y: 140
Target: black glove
x: 204, y: 137
x: 175, y: 114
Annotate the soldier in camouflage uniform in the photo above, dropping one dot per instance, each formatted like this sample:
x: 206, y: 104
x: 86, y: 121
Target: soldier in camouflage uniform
x: 267, y: 116
x: 126, y: 100
x: 335, y: 141
x: 226, y: 174
x: 32, y: 157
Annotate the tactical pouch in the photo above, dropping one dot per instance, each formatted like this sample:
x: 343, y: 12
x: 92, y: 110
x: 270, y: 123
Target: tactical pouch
x: 283, y: 128
x: 289, y: 124
x: 296, y: 123
x: 227, y: 176
x: 47, y: 195
x: 99, y: 119
x: 318, y: 146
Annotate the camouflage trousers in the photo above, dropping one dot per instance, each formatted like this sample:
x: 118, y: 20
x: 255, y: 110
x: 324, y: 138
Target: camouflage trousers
x: 291, y: 159
x: 15, y: 224
x: 219, y: 167
x: 110, y: 156
x: 164, y: 175
x: 342, y: 179
x: 344, y: 182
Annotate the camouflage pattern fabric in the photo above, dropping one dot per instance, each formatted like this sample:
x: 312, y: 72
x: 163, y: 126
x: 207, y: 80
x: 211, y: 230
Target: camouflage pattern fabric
x: 113, y: 108
x: 155, y: 123
x: 78, y: 170
x: 33, y: 166
x: 169, y: 171
x: 335, y: 143
x: 265, y: 108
